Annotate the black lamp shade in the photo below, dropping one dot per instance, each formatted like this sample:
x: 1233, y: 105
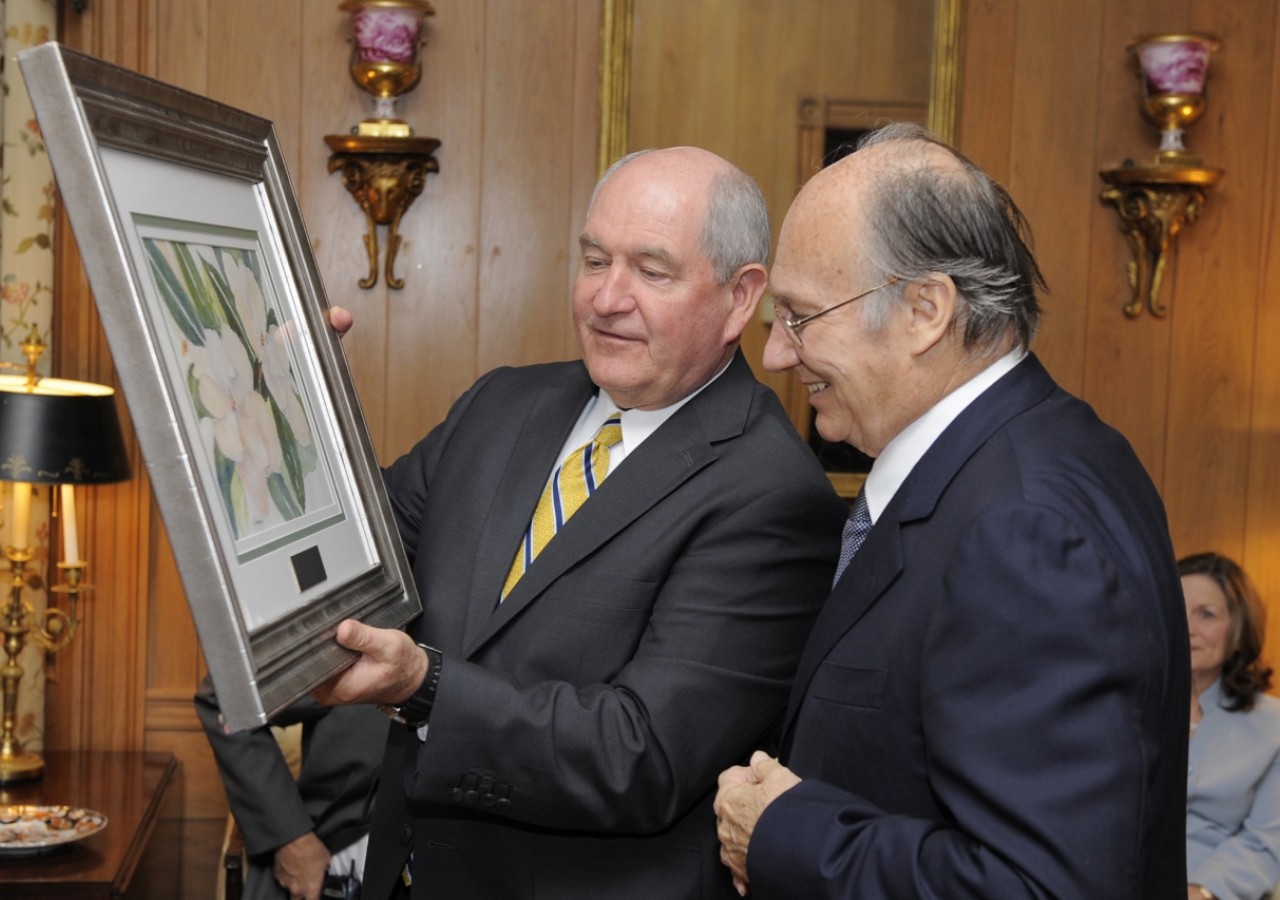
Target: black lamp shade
x: 61, y: 436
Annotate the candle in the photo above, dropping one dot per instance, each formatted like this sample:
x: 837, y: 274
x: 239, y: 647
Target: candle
x: 21, y: 514
x: 70, y: 544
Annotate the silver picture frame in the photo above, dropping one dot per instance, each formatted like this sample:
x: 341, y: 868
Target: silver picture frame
x: 238, y: 387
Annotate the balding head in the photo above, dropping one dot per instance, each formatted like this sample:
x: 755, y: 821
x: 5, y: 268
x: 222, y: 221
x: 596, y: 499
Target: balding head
x: 666, y: 288
x: 735, y: 217
x: 910, y: 205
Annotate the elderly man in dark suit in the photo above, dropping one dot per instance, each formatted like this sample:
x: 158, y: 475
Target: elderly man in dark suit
x: 993, y: 700
x: 619, y: 561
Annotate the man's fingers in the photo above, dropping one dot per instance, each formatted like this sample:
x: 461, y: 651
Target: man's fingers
x: 762, y: 764
x: 340, y: 319
x: 354, y: 635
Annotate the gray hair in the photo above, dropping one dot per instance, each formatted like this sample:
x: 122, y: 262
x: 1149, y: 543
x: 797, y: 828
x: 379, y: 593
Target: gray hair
x: 923, y: 218
x: 735, y: 229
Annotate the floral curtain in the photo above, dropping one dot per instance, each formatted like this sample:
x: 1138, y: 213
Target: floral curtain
x: 26, y: 294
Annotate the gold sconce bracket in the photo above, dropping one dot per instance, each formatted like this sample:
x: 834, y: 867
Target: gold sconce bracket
x: 384, y: 175
x: 1154, y: 203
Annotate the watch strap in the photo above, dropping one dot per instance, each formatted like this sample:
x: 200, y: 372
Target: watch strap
x: 416, y: 711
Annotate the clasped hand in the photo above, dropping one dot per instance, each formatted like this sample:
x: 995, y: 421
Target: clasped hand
x: 744, y: 793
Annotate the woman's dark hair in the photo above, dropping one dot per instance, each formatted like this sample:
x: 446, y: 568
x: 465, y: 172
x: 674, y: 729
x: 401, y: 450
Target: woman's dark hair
x: 1243, y: 674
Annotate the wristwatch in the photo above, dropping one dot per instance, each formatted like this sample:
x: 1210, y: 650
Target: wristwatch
x: 416, y: 711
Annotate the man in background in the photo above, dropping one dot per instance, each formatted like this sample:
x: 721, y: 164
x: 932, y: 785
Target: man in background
x: 993, y: 700
x: 298, y: 831
x: 619, y: 560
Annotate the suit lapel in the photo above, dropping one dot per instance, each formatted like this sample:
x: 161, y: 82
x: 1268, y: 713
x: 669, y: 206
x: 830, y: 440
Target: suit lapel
x: 880, y: 559
x: 874, y: 568
x: 672, y: 455
x: 550, y: 417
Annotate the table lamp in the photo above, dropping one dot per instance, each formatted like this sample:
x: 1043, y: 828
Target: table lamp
x: 52, y: 431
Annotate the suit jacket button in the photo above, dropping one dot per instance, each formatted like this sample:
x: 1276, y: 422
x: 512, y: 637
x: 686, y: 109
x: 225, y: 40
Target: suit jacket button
x: 471, y: 797
x: 504, y: 803
x: 487, y: 799
x: 456, y: 795
x: 406, y: 833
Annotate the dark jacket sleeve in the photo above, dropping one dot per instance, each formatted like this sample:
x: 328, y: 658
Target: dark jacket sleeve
x: 709, y: 676
x: 341, y: 752
x: 261, y: 790
x: 1037, y: 666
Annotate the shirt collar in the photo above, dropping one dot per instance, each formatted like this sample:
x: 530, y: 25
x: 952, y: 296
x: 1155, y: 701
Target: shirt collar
x: 639, y: 424
x: 902, y: 453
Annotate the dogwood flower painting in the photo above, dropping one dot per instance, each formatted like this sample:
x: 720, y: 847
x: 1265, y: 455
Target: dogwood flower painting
x: 233, y: 350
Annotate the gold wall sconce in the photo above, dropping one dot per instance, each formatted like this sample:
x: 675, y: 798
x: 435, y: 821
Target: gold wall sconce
x: 1155, y: 202
x: 384, y: 167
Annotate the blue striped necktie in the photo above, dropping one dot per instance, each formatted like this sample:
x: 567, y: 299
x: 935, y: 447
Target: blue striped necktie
x: 574, y: 482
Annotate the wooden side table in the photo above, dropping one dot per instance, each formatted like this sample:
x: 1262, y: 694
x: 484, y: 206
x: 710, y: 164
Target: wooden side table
x: 132, y: 790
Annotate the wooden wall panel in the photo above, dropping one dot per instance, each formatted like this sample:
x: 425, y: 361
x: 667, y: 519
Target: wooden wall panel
x: 1262, y: 520
x: 1262, y: 502
x: 524, y: 292
x: 740, y: 94
x: 1050, y: 176
x: 986, y: 84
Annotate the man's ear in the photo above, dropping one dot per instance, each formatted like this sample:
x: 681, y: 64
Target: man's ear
x: 746, y: 288
x: 931, y: 302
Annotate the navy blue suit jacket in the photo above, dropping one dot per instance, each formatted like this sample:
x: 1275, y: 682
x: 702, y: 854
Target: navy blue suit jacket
x: 993, y: 702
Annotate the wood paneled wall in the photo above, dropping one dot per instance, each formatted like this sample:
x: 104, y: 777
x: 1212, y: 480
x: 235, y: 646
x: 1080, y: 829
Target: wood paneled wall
x: 487, y: 257
x: 734, y: 78
x: 1050, y: 97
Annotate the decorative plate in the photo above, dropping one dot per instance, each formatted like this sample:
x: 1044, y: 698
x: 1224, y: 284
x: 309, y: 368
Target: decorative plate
x: 31, y: 830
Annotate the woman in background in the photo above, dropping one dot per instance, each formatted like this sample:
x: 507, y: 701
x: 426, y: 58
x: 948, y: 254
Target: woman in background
x: 1233, y: 780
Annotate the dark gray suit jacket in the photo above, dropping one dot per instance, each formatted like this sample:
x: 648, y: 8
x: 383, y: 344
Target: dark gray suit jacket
x: 993, y: 702
x: 580, y: 726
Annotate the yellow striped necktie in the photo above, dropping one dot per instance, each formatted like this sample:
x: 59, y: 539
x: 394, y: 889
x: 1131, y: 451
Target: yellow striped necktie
x: 576, y: 480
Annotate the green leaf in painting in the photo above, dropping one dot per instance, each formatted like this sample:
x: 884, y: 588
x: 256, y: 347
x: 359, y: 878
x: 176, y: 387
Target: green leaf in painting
x: 24, y: 245
x: 289, y: 450
x: 173, y: 295
x: 280, y: 494
x: 193, y: 385
x: 222, y: 289
x: 195, y: 287
x: 226, y: 470
x: 42, y: 241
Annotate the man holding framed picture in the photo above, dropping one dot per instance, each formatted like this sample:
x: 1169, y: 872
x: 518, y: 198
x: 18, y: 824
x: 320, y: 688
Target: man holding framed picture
x: 619, y: 561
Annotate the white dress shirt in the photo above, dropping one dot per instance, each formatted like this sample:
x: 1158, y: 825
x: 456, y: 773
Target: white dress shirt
x: 637, y: 425
x: 902, y: 453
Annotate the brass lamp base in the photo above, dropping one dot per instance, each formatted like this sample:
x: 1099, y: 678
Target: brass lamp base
x: 25, y: 765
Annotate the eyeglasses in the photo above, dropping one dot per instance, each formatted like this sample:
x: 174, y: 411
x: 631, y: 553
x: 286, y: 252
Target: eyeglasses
x: 794, y: 326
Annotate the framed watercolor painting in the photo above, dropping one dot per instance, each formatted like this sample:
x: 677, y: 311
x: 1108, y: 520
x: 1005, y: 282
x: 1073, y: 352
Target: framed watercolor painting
x: 237, y: 386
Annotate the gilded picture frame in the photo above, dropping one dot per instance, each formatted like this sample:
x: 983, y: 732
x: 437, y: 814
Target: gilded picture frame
x: 237, y: 386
